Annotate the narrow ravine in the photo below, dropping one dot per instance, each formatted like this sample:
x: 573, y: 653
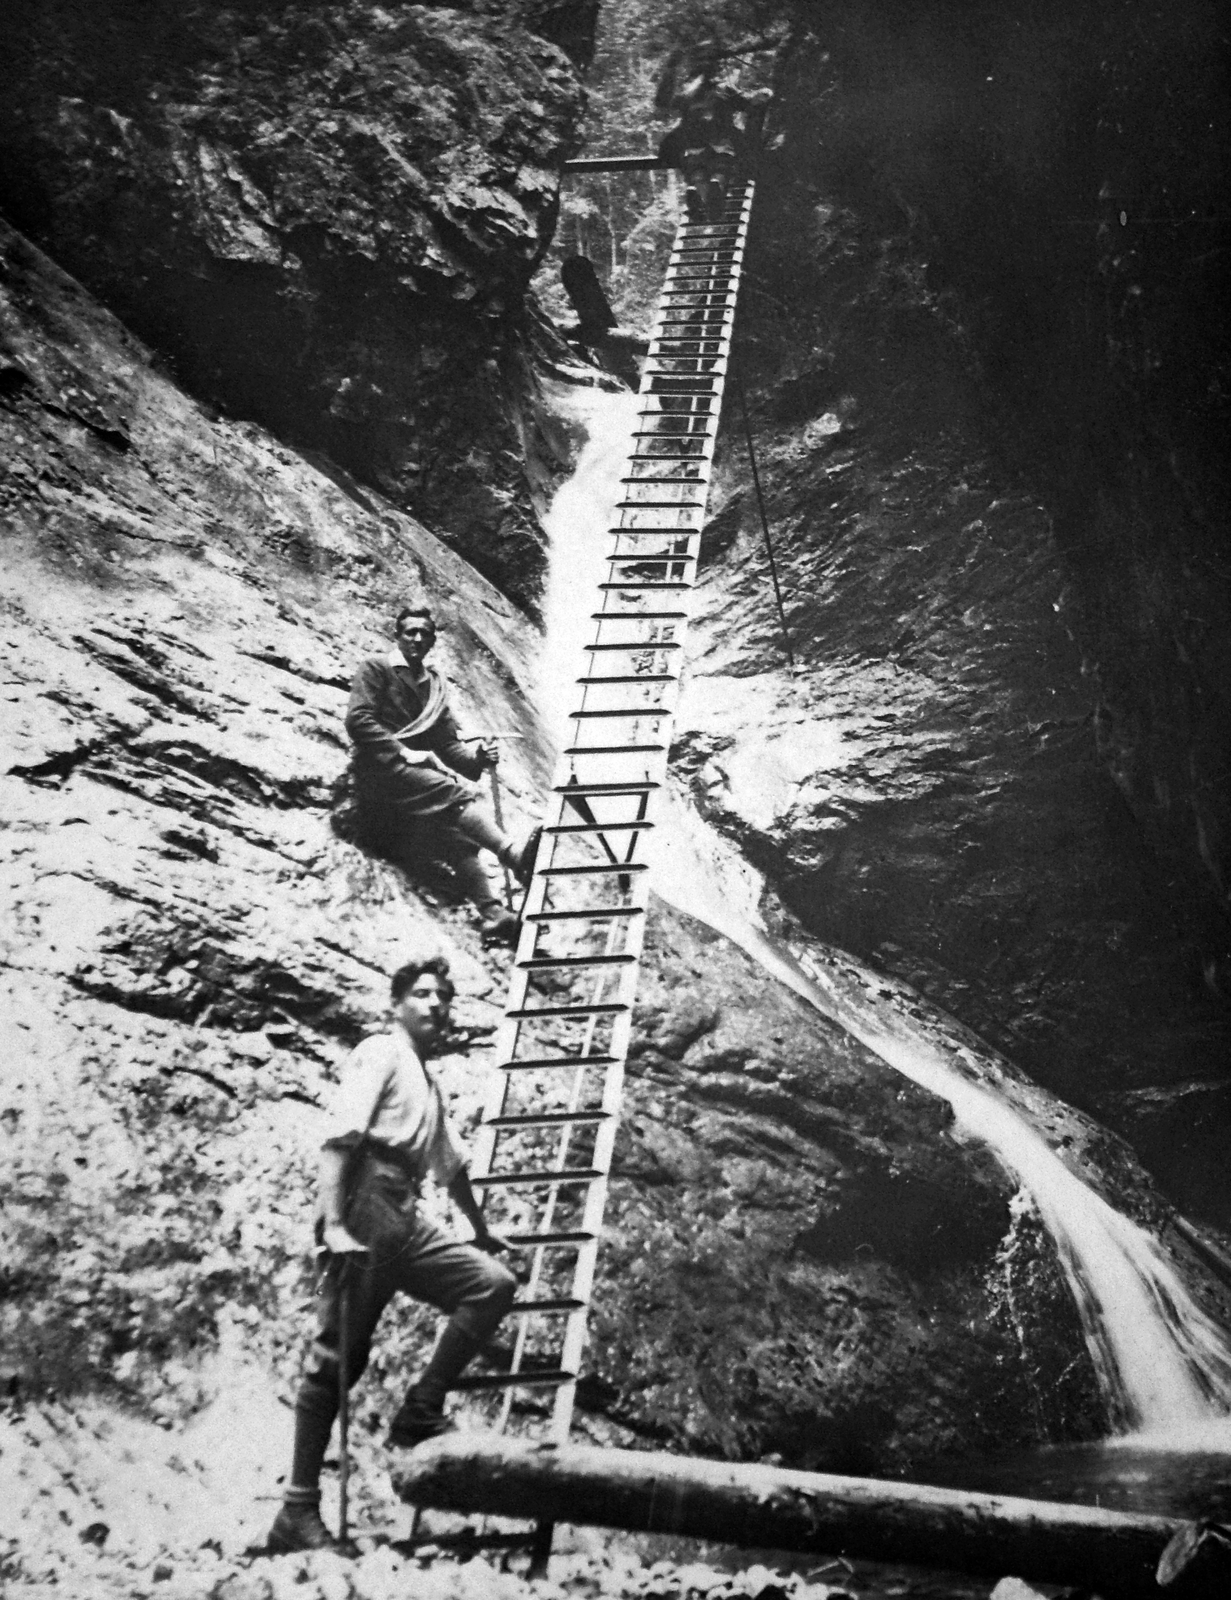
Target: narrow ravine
x: 1163, y: 1363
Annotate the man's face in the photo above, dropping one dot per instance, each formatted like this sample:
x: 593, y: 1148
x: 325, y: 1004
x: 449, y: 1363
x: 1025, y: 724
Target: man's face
x: 424, y: 1010
x: 415, y: 638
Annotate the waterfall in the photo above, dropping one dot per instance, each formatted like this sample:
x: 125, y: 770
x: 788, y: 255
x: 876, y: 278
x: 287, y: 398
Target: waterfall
x: 575, y: 523
x: 1164, y: 1364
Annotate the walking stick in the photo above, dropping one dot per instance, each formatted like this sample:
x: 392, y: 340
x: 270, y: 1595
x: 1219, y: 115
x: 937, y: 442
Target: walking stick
x: 343, y: 1391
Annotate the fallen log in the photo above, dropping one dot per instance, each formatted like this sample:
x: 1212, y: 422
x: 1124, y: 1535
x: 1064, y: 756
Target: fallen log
x: 1112, y: 1553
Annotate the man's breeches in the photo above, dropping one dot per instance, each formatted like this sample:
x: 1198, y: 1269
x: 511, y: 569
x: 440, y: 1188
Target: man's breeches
x: 459, y: 1279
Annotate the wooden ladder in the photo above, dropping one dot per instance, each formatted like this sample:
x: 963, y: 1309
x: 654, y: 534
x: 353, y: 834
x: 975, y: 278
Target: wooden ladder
x: 544, y: 1149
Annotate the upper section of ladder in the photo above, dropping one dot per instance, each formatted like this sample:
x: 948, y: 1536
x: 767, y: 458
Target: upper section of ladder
x: 545, y: 1145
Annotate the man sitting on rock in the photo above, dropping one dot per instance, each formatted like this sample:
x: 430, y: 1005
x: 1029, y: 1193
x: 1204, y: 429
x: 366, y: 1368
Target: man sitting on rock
x: 387, y: 1130
x: 413, y: 774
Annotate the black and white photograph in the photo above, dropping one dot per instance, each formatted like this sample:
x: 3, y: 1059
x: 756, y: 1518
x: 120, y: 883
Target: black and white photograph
x: 616, y: 800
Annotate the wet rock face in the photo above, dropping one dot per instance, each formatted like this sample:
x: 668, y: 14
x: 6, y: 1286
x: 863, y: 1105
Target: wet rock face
x: 190, y: 949
x: 992, y: 426
x: 324, y: 216
x: 1062, y: 166
x: 797, y: 1245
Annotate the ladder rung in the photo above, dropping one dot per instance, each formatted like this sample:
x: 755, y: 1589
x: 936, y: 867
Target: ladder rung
x: 634, y: 677
x: 546, y: 963
x: 566, y: 1237
x: 547, y: 1377
x: 615, y: 749
x: 543, y: 1063
x: 644, y: 644
x: 621, y: 867
x: 594, y: 912
x: 528, y: 1308
x: 628, y: 711
x: 597, y: 827
x: 534, y: 1180
x: 635, y: 616
x: 633, y: 786
x: 547, y: 1119
x: 612, y: 1008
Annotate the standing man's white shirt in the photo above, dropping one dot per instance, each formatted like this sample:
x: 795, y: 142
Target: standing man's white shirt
x: 388, y: 1096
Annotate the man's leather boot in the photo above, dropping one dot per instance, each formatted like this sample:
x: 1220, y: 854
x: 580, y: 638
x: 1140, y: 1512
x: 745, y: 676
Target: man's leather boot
x: 417, y: 1419
x: 298, y: 1526
x: 520, y: 859
x: 498, y: 925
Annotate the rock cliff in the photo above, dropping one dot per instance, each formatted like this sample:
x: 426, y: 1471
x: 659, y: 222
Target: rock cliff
x: 987, y: 357
x: 323, y: 216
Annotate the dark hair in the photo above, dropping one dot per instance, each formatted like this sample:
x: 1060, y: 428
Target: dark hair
x: 413, y: 611
x: 405, y: 978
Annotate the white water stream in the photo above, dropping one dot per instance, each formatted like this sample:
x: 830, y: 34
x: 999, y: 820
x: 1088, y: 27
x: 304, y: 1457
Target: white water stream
x: 1165, y: 1366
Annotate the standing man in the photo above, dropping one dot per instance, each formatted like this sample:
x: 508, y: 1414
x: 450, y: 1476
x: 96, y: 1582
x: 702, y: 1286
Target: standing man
x: 414, y: 777
x: 388, y: 1129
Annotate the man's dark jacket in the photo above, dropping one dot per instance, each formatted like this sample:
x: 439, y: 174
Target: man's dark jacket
x: 384, y: 698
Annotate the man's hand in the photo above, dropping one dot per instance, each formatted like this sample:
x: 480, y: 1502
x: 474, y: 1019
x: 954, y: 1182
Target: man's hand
x: 487, y: 754
x: 339, y: 1241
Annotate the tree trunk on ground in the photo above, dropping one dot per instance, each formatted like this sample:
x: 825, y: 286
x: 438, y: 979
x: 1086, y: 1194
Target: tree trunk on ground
x: 1110, y: 1552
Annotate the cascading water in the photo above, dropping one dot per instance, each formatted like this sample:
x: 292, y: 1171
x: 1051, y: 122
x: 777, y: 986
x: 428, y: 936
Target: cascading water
x: 578, y: 516
x: 1165, y: 1366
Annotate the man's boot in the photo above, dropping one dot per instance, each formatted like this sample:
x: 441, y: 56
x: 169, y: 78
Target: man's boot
x: 298, y: 1526
x: 422, y: 1415
x: 520, y: 859
x: 497, y: 924
x: 418, y: 1418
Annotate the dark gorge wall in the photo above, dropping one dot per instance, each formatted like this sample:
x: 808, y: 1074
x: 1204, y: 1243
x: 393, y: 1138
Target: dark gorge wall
x: 323, y: 216
x: 986, y: 332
